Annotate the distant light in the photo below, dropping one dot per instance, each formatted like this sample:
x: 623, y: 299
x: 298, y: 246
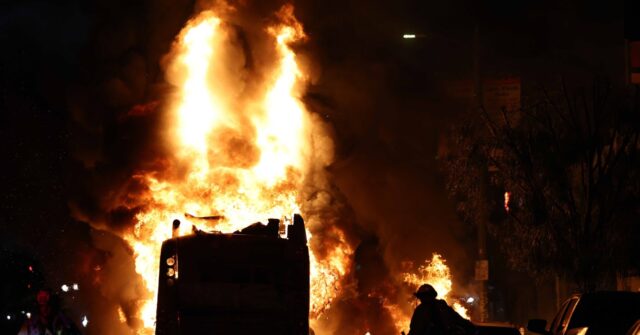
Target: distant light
x: 30, y: 268
x: 470, y: 300
x: 28, y: 315
x: 75, y: 287
x: 85, y: 321
x: 409, y: 36
x: 65, y: 288
x: 8, y: 317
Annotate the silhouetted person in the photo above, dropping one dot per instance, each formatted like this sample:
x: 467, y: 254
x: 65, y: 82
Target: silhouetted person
x: 49, y: 319
x: 434, y: 317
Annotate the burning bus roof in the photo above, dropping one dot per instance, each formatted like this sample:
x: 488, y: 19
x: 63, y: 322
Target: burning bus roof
x: 272, y: 228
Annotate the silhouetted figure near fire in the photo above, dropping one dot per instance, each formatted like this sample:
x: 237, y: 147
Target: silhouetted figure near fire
x: 434, y: 317
x: 49, y: 319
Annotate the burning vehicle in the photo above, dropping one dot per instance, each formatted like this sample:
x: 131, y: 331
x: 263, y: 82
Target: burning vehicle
x: 240, y: 146
x: 254, y: 280
x: 236, y: 141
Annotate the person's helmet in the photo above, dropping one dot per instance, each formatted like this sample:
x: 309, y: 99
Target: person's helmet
x: 426, y: 291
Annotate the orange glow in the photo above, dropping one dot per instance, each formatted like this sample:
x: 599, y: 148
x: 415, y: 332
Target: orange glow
x: 401, y: 318
x: 326, y: 274
x: 235, y: 155
x: 507, y: 199
x: 436, y: 273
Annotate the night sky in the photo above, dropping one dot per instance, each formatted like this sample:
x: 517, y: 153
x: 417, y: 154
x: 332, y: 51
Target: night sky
x: 70, y: 73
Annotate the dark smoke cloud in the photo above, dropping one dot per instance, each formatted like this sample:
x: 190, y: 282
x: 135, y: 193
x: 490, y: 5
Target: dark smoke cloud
x: 115, y: 105
x: 388, y: 120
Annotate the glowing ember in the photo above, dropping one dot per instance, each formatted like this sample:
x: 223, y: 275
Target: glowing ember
x: 237, y: 156
x: 121, y: 316
x: 507, y: 199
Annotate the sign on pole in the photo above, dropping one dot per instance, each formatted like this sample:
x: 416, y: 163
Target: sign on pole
x: 634, y: 62
x: 482, y: 270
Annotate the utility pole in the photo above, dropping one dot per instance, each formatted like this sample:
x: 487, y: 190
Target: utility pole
x: 482, y: 263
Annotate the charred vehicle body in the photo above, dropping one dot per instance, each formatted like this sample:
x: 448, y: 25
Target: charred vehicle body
x: 252, y: 281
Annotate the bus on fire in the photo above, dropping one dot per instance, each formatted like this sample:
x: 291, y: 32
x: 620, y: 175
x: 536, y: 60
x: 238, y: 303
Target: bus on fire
x: 252, y: 281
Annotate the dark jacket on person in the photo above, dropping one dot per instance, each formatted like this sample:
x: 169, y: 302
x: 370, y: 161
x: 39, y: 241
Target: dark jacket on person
x: 435, y: 317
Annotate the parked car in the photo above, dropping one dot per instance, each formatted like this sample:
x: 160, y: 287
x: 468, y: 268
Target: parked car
x: 597, y: 313
x: 496, y: 328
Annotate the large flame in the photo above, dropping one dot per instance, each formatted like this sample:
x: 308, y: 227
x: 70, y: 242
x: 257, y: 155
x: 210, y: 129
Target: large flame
x: 237, y: 156
x: 434, y: 272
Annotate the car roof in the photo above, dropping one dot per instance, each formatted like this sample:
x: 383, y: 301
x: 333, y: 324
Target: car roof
x: 606, y: 312
x: 609, y: 294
